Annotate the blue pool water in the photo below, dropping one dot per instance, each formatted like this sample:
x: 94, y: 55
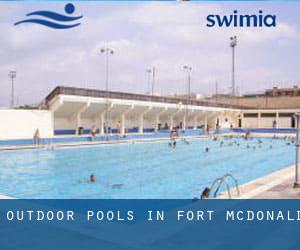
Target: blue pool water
x: 147, y: 170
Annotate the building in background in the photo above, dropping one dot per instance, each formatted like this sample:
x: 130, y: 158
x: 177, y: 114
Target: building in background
x: 276, y: 91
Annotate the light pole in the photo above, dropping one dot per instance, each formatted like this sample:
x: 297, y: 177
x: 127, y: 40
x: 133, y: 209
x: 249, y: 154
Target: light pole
x: 12, y: 75
x: 233, y: 44
x: 107, y: 51
x: 297, y: 182
x: 188, y: 69
x: 149, y: 72
x: 217, y: 91
x: 153, y: 79
x: 153, y: 71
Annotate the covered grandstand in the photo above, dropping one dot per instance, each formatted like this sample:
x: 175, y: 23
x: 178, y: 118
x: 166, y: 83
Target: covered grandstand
x: 75, y: 108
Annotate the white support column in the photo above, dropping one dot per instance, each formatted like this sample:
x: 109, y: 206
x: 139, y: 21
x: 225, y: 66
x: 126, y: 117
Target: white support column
x: 78, y: 122
x: 277, y: 120
x: 123, y: 119
x: 122, y: 132
x: 59, y: 102
x: 77, y: 116
x: 157, y: 118
x: 100, y: 119
x: 195, y: 121
x: 184, y: 122
x: 101, y: 127
x: 171, y: 122
x: 258, y: 119
x: 141, y: 120
x: 156, y: 122
x: 205, y: 123
x: 171, y: 117
x: 141, y: 123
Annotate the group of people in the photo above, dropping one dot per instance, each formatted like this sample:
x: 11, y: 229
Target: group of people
x: 174, y: 135
x: 106, y: 130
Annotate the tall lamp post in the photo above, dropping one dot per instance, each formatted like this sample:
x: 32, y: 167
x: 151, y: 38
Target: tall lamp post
x: 217, y: 91
x: 12, y: 75
x: 149, y: 72
x: 108, y: 52
x: 233, y: 44
x: 297, y: 181
x: 153, y: 79
x: 153, y: 72
x: 188, y: 70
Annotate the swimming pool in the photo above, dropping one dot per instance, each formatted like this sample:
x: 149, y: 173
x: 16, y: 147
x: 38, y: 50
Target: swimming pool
x: 147, y: 170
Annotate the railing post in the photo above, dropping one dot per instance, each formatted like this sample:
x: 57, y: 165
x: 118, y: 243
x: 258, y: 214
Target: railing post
x: 297, y: 183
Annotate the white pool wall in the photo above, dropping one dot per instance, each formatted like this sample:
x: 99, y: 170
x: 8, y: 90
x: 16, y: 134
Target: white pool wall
x: 22, y: 124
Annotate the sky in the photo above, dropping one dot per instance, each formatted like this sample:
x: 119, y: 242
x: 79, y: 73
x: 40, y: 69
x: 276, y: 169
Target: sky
x: 166, y: 35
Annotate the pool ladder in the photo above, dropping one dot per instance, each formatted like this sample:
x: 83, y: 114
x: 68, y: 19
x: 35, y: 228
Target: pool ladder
x: 223, y: 180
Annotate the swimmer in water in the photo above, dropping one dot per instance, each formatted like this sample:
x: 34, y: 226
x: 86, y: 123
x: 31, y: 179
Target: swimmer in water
x: 185, y: 141
x: 174, y: 144
x: 207, y: 149
x: 92, y: 178
x: 117, y: 185
x: 205, y: 193
x: 248, y: 146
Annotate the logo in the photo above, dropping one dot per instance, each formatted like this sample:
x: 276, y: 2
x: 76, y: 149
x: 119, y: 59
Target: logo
x: 53, y: 20
x: 238, y: 20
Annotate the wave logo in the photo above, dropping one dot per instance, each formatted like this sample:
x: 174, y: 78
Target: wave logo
x: 53, y: 20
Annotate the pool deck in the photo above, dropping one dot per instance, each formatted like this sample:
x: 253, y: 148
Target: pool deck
x: 5, y: 197
x: 98, y: 142
x: 131, y: 140
x: 277, y: 185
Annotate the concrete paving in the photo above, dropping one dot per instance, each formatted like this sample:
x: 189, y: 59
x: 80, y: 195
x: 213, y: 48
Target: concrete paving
x: 278, y: 185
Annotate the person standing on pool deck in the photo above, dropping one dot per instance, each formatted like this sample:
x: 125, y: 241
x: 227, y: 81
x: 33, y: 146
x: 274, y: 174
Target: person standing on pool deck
x: 93, y: 132
x: 36, y: 137
x: 119, y: 127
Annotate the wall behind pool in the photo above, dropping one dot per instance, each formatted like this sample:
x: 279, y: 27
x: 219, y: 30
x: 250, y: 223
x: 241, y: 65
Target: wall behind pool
x: 16, y: 123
